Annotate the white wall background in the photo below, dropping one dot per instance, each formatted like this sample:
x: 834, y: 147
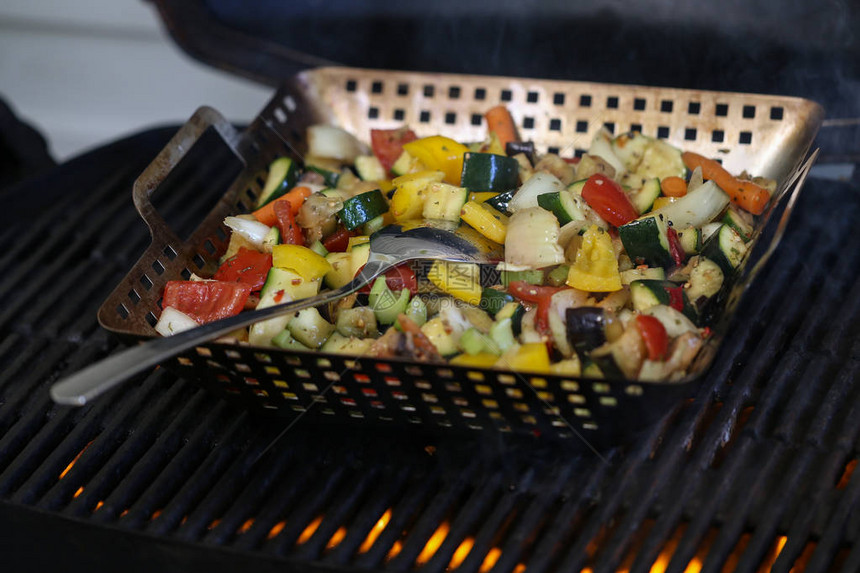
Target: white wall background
x: 87, y: 72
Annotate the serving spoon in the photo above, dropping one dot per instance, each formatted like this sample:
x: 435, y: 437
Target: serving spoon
x: 389, y: 247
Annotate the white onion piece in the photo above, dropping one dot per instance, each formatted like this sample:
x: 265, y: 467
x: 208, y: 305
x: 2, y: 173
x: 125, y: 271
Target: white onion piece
x: 254, y: 231
x: 532, y: 239
x: 601, y: 146
x: 696, y: 208
x: 538, y: 184
x: 173, y: 321
x: 334, y: 142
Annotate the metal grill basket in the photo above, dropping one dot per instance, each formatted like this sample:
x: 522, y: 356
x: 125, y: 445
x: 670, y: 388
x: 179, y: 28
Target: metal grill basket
x: 765, y: 135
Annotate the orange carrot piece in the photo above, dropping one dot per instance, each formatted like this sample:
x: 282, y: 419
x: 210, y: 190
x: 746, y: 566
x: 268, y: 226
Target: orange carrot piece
x: 746, y: 194
x: 673, y: 186
x: 296, y: 196
x: 500, y: 122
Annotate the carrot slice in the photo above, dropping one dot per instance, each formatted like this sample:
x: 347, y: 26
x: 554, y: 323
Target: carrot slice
x: 296, y: 196
x: 500, y: 122
x: 673, y: 186
x: 746, y: 194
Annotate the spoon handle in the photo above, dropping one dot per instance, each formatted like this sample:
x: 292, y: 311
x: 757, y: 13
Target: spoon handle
x: 94, y: 380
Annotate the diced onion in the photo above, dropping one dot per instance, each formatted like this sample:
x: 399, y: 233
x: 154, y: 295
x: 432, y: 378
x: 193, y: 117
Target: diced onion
x: 173, y: 321
x: 334, y: 142
x: 538, y: 184
x: 696, y: 208
x: 601, y: 146
x: 254, y: 231
x: 532, y: 239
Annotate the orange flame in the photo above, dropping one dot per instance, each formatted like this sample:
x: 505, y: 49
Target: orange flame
x: 336, y: 538
x: 433, y: 543
x: 309, y: 530
x: 461, y: 553
x: 375, y: 532
x: 276, y: 529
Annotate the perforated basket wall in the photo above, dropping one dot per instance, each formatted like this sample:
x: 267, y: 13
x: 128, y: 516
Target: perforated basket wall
x: 765, y: 135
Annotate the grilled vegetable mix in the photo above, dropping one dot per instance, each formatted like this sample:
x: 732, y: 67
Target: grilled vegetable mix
x: 615, y: 263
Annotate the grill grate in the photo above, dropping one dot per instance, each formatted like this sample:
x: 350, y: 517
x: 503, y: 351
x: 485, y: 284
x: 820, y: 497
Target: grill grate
x: 757, y: 468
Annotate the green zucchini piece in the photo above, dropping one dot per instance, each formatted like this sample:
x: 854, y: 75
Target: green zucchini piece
x: 489, y: 172
x: 283, y: 174
x: 562, y: 205
x: 386, y: 304
x: 493, y: 300
x: 318, y: 248
x: 533, y: 277
x: 645, y: 294
x: 645, y: 241
x: 640, y: 273
x: 340, y: 344
x: 644, y: 199
x: 741, y: 221
x: 576, y: 186
x: 359, y: 322
x: 362, y: 208
x: 473, y: 341
x: 310, y: 328
x: 369, y: 168
x: 285, y: 340
x: 726, y: 248
x: 558, y: 276
x: 691, y: 240
x: 502, y: 334
x: 500, y: 201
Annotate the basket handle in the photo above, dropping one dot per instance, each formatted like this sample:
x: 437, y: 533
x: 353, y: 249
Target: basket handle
x: 169, y: 157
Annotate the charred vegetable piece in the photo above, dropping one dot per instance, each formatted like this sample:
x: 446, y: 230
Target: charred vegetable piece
x: 585, y: 328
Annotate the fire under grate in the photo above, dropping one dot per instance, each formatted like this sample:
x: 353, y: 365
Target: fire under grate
x: 754, y: 472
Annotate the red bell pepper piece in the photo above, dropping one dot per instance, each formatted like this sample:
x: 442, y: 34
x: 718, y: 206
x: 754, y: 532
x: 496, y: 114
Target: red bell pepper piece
x: 609, y: 200
x: 400, y: 277
x: 206, y: 301
x: 539, y: 295
x: 291, y: 233
x: 338, y: 241
x: 387, y: 144
x: 247, y: 266
x: 675, y: 248
x: 654, y: 335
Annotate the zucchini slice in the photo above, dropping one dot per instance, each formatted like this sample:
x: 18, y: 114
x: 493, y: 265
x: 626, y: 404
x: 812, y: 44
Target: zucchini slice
x: 726, y: 248
x: 489, y: 172
x: 283, y: 174
x: 644, y: 199
x: 563, y: 205
x: 362, y: 208
x: 646, y: 241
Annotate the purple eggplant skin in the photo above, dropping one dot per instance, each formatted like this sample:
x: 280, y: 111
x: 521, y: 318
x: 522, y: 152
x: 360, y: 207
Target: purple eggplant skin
x: 586, y: 328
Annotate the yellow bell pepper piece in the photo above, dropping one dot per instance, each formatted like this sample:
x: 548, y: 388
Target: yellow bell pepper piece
x: 440, y: 153
x: 531, y: 357
x: 408, y: 199
x: 460, y: 280
x: 595, y: 268
x: 661, y: 201
x: 485, y: 220
x: 481, y: 196
x: 303, y: 261
x: 480, y: 360
x: 357, y: 240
